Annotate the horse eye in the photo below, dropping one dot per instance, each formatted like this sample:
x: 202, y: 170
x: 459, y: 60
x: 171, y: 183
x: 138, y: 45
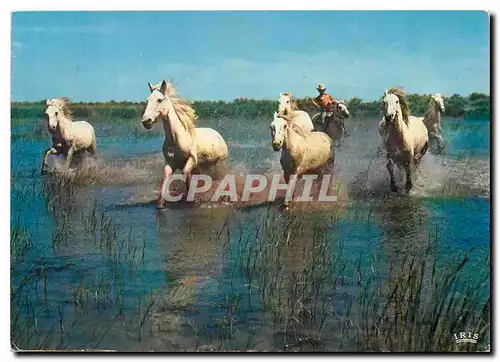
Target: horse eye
x: 397, y: 102
x: 287, y: 102
x: 159, y: 100
x: 57, y: 113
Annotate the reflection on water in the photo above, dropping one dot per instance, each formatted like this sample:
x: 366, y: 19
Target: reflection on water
x: 91, y: 255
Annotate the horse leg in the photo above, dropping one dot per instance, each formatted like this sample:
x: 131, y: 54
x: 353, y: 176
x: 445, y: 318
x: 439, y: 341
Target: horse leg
x: 408, y: 185
x: 390, y: 168
x: 440, y: 142
x: 69, y: 157
x: 167, y: 172
x: 188, y: 167
x: 48, y: 151
x: 422, y: 153
x: 286, y: 204
x: 436, y: 134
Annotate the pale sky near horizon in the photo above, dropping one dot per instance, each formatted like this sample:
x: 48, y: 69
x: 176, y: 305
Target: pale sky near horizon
x: 97, y: 56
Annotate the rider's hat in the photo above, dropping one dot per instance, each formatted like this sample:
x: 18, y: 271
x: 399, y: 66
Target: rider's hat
x: 321, y: 87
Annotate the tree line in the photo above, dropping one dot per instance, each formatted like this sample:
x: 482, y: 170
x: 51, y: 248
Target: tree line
x: 474, y: 106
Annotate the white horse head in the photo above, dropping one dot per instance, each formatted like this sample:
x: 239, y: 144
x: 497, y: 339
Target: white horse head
x: 285, y: 103
x: 342, y: 109
x: 395, y: 105
x: 278, y: 128
x: 56, y: 108
x: 390, y: 106
x: 157, y: 104
x: 438, y: 98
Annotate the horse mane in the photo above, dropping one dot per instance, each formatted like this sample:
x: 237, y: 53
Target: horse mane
x: 405, y: 108
x: 430, y: 107
x: 433, y: 108
x: 182, y: 108
x: 293, y: 103
x: 290, y: 122
x: 298, y: 130
x: 62, y: 104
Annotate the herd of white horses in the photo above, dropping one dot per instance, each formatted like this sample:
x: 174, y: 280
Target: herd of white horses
x: 304, y: 149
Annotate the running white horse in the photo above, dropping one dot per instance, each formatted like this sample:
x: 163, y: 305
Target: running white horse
x: 185, y: 147
x: 335, y: 121
x: 288, y: 107
x: 432, y: 119
x: 68, y: 138
x: 405, y: 137
x: 301, y: 152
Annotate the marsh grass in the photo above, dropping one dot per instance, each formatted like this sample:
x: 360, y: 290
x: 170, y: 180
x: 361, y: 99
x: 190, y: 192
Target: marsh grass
x: 31, y: 312
x: 20, y: 241
x: 423, y: 305
x: 416, y: 306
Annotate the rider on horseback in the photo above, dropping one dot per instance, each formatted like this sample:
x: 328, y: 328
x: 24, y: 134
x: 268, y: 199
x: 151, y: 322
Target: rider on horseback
x: 323, y: 101
x: 326, y: 102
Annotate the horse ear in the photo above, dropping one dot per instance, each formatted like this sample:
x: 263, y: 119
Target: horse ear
x: 280, y: 95
x: 150, y: 87
x: 163, y: 87
x: 47, y: 102
x: 385, y: 92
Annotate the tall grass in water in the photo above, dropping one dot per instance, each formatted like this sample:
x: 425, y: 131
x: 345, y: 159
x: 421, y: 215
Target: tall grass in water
x: 319, y: 300
x: 294, y: 274
x: 297, y: 277
x: 421, y: 306
x: 40, y: 320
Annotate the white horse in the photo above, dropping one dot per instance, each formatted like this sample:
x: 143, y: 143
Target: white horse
x: 405, y: 137
x: 288, y: 107
x: 68, y: 138
x: 335, y: 121
x: 301, y: 152
x: 432, y: 119
x: 185, y: 147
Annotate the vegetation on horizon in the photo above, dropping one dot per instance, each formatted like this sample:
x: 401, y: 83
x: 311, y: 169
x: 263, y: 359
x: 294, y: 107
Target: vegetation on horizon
x: 474, y: 106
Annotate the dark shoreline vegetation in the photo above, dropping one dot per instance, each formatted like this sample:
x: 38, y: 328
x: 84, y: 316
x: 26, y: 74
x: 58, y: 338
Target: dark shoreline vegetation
x: 473, y: 107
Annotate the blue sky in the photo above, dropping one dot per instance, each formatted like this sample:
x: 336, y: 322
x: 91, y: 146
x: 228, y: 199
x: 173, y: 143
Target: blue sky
x: 90, y: 56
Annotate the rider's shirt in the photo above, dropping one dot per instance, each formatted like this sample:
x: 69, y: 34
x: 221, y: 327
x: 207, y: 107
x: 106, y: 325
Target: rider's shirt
x: 324, y: 100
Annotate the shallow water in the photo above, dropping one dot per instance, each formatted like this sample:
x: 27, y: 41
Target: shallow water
x: 104, y: 269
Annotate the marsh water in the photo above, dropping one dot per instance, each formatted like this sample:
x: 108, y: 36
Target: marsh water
x: 94, y: 265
